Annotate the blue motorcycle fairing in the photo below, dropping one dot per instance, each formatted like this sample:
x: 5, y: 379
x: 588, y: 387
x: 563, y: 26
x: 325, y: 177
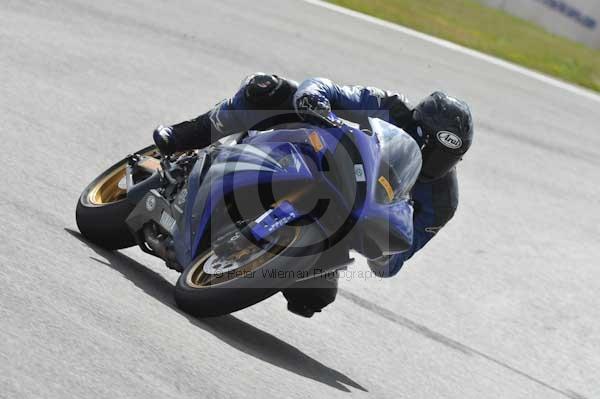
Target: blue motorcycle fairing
x: 397, y: 216
x: 234, y: 167
x: 182, y: 236
x: 390, y: 226
x: 296, y: 155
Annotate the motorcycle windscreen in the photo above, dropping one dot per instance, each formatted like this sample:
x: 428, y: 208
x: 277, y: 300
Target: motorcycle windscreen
x: 399, y: 163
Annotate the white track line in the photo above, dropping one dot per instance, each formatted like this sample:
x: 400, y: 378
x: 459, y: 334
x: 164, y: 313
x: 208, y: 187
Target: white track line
x: 453, y: 46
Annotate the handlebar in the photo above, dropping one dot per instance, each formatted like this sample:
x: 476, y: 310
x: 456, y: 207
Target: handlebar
x: 330, y: 120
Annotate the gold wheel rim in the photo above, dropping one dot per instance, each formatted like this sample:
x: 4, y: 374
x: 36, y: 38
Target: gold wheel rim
x: 198, y: 278
x: 107, y: 189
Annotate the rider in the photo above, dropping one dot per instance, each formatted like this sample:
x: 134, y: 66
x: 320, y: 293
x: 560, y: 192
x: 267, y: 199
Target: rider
x: 440, y: 124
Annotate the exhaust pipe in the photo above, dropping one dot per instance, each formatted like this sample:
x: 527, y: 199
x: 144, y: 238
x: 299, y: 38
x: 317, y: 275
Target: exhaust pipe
x: 162, y: 246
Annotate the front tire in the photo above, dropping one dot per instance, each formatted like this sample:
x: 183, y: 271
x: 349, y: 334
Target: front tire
x: 203, y: 296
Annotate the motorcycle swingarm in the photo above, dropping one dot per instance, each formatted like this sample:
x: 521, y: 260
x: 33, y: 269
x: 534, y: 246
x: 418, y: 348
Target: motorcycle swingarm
x: 152, y: 208
x: 136, y: 191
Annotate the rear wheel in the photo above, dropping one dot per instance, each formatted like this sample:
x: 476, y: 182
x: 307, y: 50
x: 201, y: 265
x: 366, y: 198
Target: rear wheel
x: 216, y: 285
x: 103, y: 207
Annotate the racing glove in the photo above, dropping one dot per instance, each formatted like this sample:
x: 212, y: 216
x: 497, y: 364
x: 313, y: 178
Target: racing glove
x: 312, y: 103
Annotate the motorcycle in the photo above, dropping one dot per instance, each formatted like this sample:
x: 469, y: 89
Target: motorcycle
x: 258, y: 212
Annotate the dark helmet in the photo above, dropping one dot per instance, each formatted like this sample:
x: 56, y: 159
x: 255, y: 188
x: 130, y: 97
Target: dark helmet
x: 447, y: 126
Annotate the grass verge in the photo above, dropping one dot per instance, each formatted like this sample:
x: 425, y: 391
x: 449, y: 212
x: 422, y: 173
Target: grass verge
x: 491, y: 31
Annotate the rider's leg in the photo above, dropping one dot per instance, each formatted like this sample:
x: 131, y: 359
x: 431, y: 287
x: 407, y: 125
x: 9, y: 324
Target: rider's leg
x: 259, y: 92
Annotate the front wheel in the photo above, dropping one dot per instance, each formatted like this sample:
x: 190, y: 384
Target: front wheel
x: 216, y: 285
x: 103, y: 207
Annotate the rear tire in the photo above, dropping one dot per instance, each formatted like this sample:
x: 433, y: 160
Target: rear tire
x: 105, y: 225
x: 103, y: 208
x: 241, y: 292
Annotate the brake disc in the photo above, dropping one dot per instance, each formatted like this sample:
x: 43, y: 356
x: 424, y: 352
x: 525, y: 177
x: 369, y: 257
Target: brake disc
x: 216, y: 264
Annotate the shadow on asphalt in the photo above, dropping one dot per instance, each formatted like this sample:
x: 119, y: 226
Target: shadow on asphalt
x: 229, y: 329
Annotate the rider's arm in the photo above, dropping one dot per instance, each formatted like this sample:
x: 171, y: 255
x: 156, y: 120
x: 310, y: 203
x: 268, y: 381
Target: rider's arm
x: 369, y: 101
x: 435, y: 205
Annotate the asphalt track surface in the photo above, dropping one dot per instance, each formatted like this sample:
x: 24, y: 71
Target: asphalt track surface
x: 502, y: 304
